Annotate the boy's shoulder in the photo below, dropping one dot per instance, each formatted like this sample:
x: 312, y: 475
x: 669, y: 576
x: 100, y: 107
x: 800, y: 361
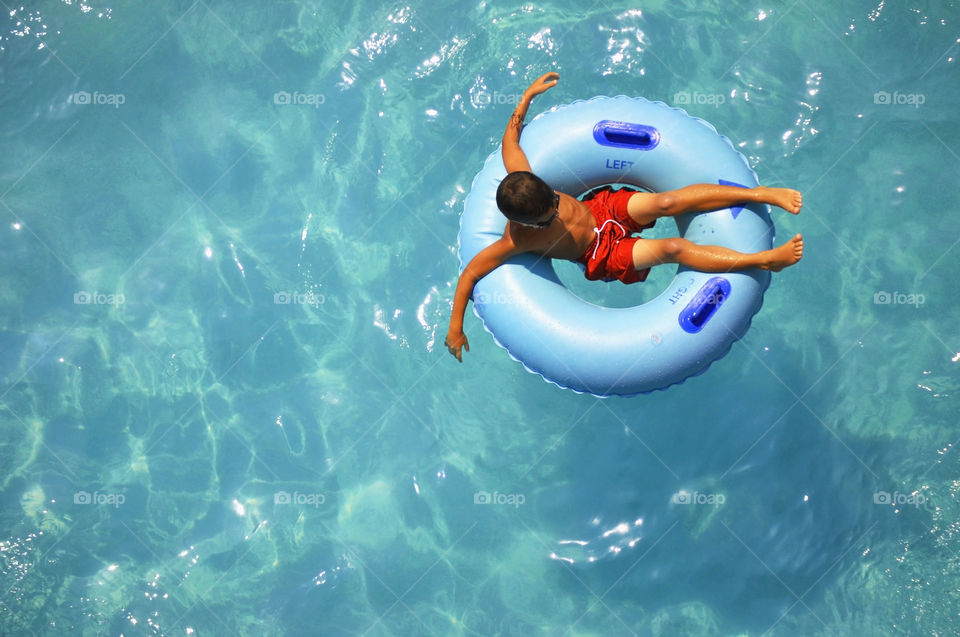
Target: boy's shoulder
x: 524, y: 239
x: 547, y: 241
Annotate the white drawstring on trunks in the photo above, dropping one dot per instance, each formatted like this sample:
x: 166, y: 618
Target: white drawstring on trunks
x: 600, y: 229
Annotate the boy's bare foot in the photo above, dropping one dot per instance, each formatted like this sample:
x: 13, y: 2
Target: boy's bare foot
x: 787, y: 198
x: 785, y: 255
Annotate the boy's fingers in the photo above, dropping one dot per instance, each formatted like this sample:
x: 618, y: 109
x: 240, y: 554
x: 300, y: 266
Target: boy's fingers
x: 548, y: 79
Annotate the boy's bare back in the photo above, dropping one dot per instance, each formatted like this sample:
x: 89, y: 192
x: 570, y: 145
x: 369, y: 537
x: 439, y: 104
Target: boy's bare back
x: 567, y: 237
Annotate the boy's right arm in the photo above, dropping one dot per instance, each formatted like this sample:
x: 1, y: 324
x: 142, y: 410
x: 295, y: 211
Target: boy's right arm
x: 479, y: 266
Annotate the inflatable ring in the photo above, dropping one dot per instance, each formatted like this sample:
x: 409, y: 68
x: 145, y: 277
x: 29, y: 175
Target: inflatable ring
x: 620, y: 351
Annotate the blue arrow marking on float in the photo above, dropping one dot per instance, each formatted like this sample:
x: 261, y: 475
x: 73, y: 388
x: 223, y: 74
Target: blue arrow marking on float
x: 734, y: 210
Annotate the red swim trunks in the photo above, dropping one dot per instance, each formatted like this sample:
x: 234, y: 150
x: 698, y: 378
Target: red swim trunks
x: 610, y: 256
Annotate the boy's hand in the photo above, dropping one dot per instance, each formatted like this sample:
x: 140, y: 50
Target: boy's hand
x: 454, y: 341
x: 542, y: 84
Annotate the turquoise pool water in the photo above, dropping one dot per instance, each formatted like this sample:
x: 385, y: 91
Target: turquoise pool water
x: 228, y: 253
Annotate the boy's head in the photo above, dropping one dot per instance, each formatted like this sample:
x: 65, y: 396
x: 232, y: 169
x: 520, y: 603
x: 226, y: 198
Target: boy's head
x: 525, y: 198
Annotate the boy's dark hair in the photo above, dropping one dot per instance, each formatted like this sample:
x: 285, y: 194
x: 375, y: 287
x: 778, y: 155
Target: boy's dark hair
x: 523, y: 197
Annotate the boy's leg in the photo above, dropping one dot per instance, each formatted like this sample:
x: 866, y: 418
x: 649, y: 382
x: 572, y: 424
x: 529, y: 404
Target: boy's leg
x: 646, y: 207
x: 650, y: 252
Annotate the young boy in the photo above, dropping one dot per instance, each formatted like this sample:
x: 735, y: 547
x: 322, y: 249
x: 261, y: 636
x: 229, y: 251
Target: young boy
x: 596, y: 232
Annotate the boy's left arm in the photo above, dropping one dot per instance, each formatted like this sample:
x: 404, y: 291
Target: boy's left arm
x: 514, y: 158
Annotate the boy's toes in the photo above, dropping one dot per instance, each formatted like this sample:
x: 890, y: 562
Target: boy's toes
x: 797, y: 202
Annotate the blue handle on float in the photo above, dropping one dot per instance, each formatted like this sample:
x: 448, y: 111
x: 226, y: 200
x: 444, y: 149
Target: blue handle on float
x: 626, y: 135
x: 704, y: 304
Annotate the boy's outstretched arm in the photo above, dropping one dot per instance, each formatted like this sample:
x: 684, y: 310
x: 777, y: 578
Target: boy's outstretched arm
x: 513, y: 157
x: 479, y: 266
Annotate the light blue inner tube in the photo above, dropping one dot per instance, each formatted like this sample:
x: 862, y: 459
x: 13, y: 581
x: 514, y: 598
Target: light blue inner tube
x: 620, y: 351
